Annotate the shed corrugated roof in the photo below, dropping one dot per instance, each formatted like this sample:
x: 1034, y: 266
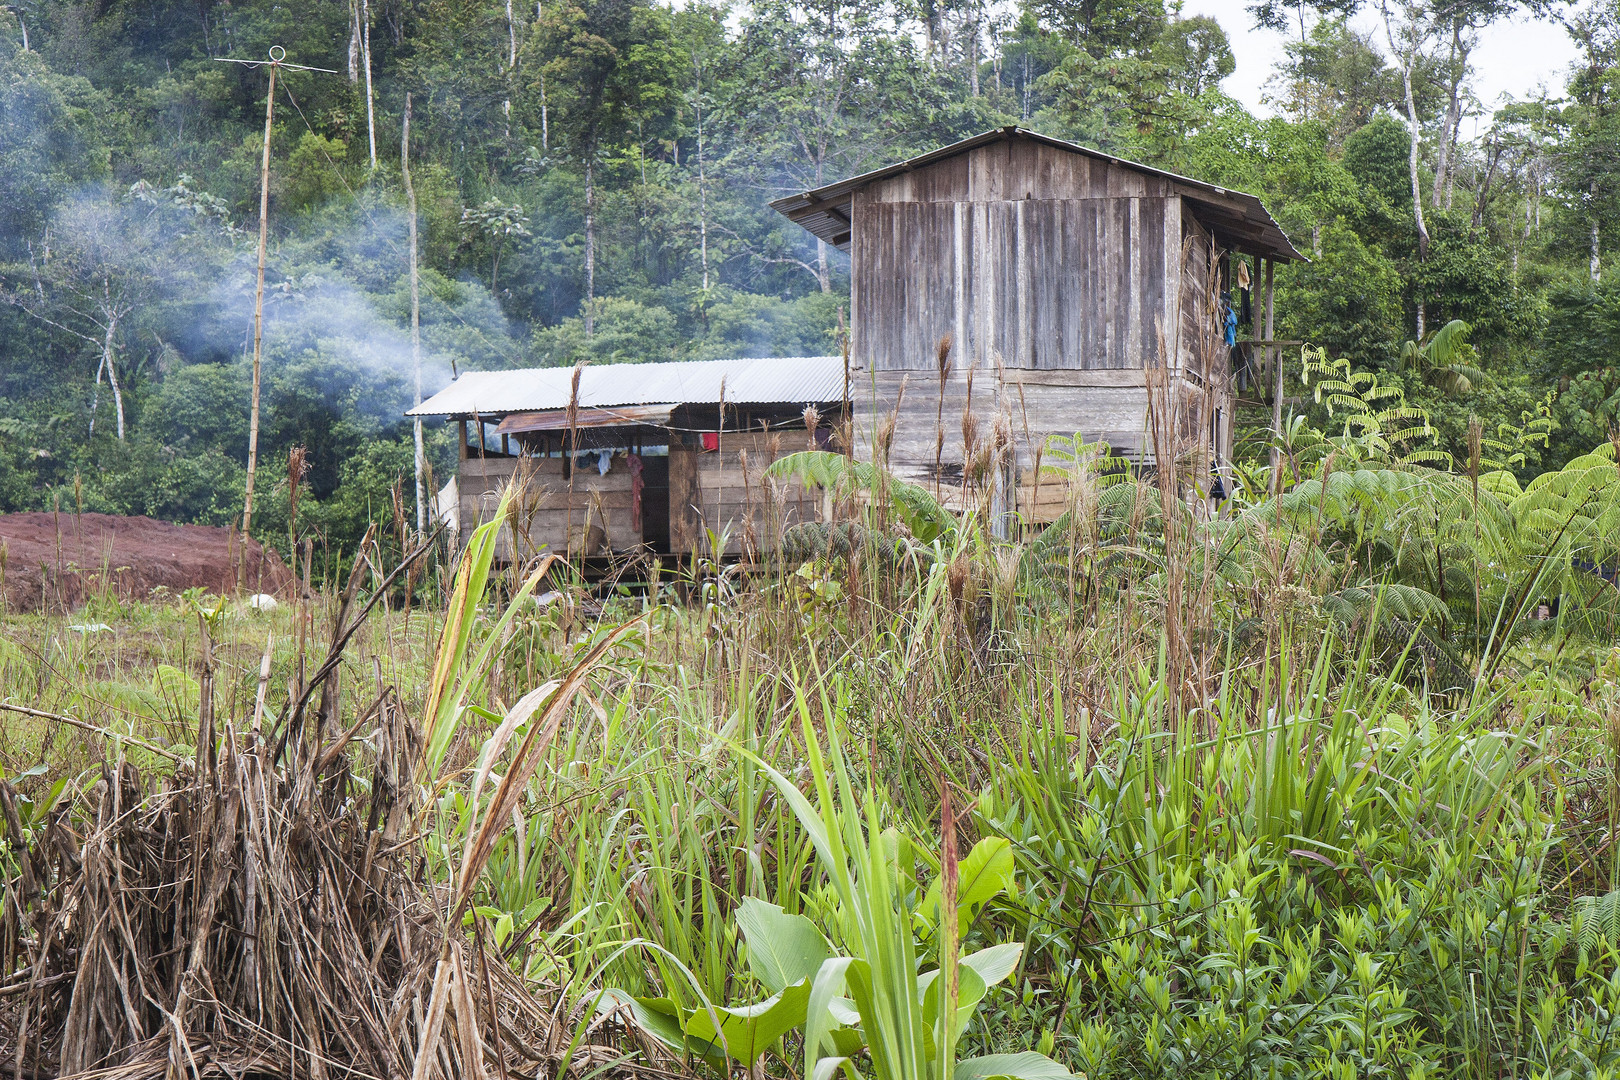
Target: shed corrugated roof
x: 1239, y: 218
x: 749, y: 381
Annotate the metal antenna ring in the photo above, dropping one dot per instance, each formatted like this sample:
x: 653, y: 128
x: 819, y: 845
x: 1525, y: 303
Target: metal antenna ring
x: 277, y: 54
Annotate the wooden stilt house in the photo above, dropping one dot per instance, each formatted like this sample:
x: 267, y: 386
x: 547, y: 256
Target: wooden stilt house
x: 1068, y: 292
x: 1005, y: 289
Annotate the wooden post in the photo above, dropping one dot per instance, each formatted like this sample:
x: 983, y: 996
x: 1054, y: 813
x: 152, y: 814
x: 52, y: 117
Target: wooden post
x: 258, y: 317
x: 1277, y: 396
x: 416, y: 309
x: 461, y: 442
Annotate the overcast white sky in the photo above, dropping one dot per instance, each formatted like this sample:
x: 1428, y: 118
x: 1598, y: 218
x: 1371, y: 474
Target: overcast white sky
x: 1514, y: 57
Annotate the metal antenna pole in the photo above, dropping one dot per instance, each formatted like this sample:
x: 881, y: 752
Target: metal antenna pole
x: 277, y: 60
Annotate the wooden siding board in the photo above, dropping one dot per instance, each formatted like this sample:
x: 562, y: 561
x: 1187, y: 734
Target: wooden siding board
x: 1172, y: 275
x: 1021, y: 284
x: 683, y: 530
x: 1133, y: 282
x: 1088, y: 305
x: 1043, y: 283
x: 1107, y: 323
x: 548, y: 509
x: 984, y: 291
x: 727, y: 497
x: 1116, y: 413
x: 1150, y: 276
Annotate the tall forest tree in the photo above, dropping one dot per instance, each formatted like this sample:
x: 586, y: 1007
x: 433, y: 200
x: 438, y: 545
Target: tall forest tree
x: 610, y: 71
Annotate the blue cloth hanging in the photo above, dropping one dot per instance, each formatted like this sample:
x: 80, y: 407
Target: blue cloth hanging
x: 1231, y: 326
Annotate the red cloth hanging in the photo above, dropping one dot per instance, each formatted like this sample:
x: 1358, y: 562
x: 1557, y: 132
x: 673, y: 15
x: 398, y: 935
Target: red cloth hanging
x: 711, y: 440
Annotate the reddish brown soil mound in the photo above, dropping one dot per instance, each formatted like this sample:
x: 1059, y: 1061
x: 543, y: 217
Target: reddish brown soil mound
x: 55, y: 561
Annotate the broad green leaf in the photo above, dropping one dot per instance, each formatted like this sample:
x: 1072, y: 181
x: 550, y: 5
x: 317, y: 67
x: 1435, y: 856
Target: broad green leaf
x: 658, y: 1017
x: 826, y: 1011
x: 986, y: 872
x: 842, y: 1009
x: 848, y: 1041
x: 1026, y: 1066
x: 783, y: 949
x: 995, y: 963
x: 747, y: 1032
x: 970, y: 990
x: 828, y: 1067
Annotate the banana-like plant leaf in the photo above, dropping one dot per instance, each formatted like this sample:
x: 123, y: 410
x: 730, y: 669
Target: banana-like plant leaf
x: 984, y: 874
x: 970, y: 990
x: 995, y: 963
x: 747, y: 1032
x: 827, y: 1010
x: 783, y: 949
x: 658, y: 1017
x: 1026, y: 1066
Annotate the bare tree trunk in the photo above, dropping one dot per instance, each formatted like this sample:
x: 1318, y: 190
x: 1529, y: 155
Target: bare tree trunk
x: 371, y: 115
x: 823, y: 273
x: 354, y: 42
x: 590, y: 240
x: 511, y: 65
x: 703, y: 195
x: 112, y: 373
x: 416, y: 313
x: 1408, y: 60
x: 973, y: 50
x: 1412, y: 164
x: 1456, y: 65
x: 258, y: 322
x: 1277, y: 394
x: 95, y: 395
x: 1597, y: 251
x: 545, y: 113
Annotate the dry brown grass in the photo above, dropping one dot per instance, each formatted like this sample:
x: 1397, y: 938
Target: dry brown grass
x: 265, y: 907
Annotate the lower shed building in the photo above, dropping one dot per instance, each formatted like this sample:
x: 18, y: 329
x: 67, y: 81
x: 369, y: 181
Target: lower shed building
x: 661, y: 458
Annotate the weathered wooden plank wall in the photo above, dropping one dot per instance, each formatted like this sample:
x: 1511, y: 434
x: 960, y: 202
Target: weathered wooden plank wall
x: 1026, y: 255
x: 1107, y: 405
x: 1200, y: 322
x: 725, y: 492
x: 550, y: 517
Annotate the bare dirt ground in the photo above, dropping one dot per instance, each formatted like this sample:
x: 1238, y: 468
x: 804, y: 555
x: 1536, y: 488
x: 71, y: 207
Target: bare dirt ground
x: 57, y: 561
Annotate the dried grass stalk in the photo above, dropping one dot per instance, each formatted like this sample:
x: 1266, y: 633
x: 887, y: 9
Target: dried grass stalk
x: 270, y: 914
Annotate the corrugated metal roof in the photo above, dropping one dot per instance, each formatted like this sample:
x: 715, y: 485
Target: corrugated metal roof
x: 826, y: 210
x: 752, y: 381
x: 615, y: 416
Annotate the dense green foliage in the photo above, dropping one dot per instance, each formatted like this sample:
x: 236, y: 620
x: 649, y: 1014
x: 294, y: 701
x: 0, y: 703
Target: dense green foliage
x: 1303, y: 790
x: 592, y: 179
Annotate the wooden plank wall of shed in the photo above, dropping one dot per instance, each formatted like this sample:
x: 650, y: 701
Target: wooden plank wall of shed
x: 1107, y: 405
x: 725, y: 491
x: 550, y: 513
x: 1198, y: 316
x: 1025, y: 254
x: 1206, y: 415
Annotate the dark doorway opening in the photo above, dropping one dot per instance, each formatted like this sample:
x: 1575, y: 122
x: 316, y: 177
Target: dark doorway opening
x: 655, y: 503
